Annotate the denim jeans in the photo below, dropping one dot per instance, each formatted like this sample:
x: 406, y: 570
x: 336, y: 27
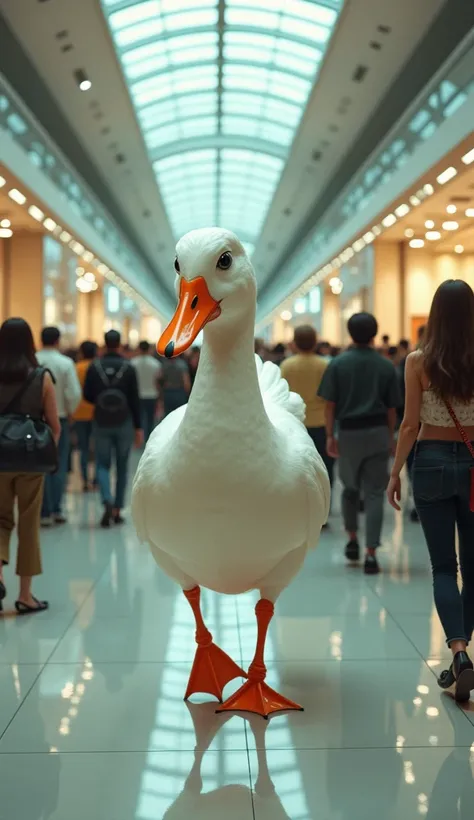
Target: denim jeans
x: 147, y: 412
x: 55, y: 485
x: 84, y: 433
x: 441, y: 487
x: 113, y: 443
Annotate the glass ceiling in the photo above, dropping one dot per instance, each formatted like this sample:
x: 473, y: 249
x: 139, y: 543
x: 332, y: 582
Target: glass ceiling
x: 219, y: 88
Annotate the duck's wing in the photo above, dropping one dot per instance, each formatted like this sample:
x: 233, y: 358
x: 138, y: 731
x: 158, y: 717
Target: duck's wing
x: 275, y: 390
x: 145, y: 476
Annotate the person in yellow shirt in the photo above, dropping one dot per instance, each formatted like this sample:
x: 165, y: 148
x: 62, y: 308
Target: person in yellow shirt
x: 85, y: 412
x: 304, y: 372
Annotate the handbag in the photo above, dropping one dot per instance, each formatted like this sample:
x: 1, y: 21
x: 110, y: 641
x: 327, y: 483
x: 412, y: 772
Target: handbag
x: 469, y: 446
x: 26, y: 443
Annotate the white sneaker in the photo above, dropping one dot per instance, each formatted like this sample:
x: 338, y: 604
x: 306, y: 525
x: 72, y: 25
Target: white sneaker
x: 47, y: 521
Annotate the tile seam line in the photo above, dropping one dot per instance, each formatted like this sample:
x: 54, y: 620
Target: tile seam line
x: 43, y: 666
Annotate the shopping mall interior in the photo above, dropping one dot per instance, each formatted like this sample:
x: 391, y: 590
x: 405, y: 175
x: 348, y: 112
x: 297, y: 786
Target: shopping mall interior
x: 335, y: 138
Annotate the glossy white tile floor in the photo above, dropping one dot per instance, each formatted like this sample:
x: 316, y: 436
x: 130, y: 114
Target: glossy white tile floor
x: 92, y: 722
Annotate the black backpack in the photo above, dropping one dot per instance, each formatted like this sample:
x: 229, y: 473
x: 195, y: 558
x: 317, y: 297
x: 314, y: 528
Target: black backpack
x: 26, y: 443
x: 111, y: 406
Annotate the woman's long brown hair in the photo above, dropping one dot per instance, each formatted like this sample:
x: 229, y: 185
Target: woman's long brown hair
x: 448, y: 344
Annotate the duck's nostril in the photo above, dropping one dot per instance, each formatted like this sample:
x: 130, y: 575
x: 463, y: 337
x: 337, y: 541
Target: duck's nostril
x: 169, y: 350
x: 194, y: 302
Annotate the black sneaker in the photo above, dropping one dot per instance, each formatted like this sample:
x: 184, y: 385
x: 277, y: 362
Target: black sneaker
x: 118, y: 519
x: 59, y: 518
x: 106, y: 519
x: 371, y: 565
x: 352, y: 551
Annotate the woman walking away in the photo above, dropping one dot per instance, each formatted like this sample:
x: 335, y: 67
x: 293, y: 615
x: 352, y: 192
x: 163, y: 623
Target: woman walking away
x: 440, y: 396
x: 26, y: 390
x: 84, y: 413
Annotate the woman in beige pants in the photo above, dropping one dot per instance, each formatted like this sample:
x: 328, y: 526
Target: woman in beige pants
x: 17, y: 364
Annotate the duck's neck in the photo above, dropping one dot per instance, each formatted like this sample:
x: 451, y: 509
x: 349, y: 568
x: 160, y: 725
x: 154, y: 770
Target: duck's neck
x: 226, y: 385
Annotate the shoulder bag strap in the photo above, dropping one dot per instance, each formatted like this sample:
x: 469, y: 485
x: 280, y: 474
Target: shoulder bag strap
x: 19, y: 393
x: 460, y: 429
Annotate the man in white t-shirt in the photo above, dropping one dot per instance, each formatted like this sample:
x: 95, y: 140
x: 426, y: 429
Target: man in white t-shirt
x: 148, y: 372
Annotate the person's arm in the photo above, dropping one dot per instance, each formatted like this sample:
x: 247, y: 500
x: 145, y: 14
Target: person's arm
x: 50, y: 407
x: 328, y: 392
x: 72, y: 390
x: 89, y: 391
x: 409, y: 427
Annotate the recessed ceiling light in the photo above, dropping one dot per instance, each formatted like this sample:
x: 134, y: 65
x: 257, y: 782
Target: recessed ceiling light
x: 446, y: 175
x: 414, y: 200
x: 409, y: 232
x: 469, y: 157
x: 89, y: 276
x: 451, y: 209
x: 5, y: 223
x: 369, y: 237
x: 432, y: 236
x: 429, y: 224
x: 389, y: 220
x: 2, y: 181
x: 36, y: 213
x: 358, y: 245
x: 49, y: 224
x: 65, y: 237
x: 450, y: 226
x: 470, y: 212
x: 17, y: 196
x: 88, y: 256
x: 82, y: 80
x: 286, y: 315
x: 428, y: 189
x: 402, y: 210
x: 416, y: 243
x: 458, y: 248
x: 377, y: 230
x: 6, y: 233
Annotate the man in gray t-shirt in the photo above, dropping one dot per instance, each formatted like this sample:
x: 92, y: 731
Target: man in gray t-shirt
x: 362, y: 393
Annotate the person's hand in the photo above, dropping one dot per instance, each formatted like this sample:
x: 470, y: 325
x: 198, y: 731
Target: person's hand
x: 139, y: 439
x: 394, y: 492
x: 332, y: 447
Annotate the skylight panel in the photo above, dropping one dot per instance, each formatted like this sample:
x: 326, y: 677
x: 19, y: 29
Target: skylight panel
x: 141, y: 31
x: 136, y: 13
x: 191, y: 19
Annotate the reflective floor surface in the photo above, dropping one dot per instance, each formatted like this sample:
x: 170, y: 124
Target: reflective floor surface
x: 93, y: 725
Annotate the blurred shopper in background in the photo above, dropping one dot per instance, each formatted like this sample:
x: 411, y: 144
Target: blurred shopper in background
x: 193, y: 361
x: 384, y: 347
x: 26, y: 389
x: 148, y: 370
x: 362, y: 394
x: 111, y: 386
x: 324, y: 349
x: 175, y: 382
x: 84, y: 414
x: 278, y: 354
x: 304, y: 372
x: 68, y: 396
x: 440, y: 397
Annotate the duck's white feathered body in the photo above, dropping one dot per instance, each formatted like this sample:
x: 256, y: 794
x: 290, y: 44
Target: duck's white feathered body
x: 231, y: 492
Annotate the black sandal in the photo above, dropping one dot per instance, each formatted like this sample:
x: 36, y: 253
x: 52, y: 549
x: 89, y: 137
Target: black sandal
x: 3, y: 592
x: 24, y: 609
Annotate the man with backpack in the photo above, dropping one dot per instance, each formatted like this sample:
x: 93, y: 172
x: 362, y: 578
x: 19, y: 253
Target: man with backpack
x: 111, y: 386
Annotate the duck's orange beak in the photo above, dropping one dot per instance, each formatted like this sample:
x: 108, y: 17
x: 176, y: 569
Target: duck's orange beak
x: 196, y: 308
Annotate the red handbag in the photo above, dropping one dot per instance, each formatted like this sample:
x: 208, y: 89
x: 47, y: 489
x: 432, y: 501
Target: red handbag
x: 469, y: 446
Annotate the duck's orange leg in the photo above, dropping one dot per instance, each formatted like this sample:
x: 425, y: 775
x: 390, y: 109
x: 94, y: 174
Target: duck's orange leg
x: 255, y: 695
x: 212, y: 667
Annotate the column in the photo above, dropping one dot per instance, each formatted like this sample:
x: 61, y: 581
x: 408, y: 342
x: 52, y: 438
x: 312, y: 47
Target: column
x: 23, y: 279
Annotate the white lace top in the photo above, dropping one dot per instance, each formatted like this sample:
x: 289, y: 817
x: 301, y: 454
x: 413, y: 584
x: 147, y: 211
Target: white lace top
x: 434, y: 411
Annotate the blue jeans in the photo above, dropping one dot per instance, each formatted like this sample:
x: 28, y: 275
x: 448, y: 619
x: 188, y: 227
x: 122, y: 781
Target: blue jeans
x: 55, y: 485
x: 441, y: 489
x: 84, y: 433
x: 113, y: 442
x: 147, y: 412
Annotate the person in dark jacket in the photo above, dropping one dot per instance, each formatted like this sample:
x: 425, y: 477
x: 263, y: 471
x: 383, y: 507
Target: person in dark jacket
x: 111, y: 385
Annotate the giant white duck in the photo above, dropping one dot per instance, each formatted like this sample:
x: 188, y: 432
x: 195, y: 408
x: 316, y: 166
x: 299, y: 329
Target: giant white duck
x: 230, y: 492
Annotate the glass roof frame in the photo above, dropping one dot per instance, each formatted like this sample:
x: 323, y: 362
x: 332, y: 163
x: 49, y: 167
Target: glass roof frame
x: 217, y: 76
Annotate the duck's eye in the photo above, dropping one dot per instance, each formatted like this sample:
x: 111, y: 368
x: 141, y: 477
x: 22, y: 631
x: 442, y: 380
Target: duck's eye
x: 225, y: 261
x: 176, y: 265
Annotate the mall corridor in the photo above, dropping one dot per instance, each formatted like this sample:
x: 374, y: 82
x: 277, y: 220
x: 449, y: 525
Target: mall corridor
x: 93, y: 724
